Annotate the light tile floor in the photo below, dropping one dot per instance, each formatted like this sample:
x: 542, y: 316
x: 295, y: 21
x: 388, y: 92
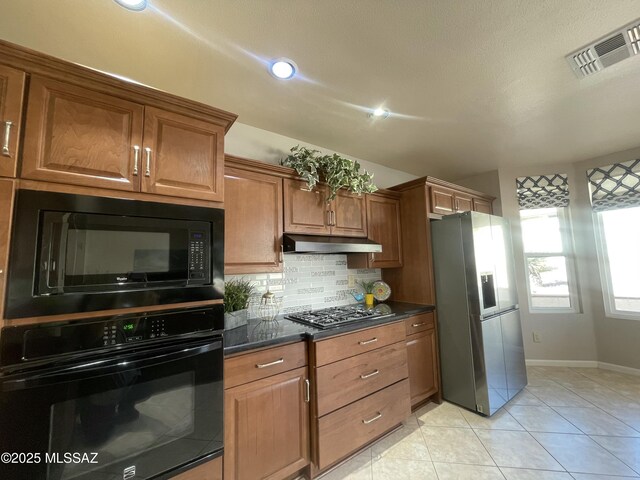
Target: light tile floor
x: 569, y: 423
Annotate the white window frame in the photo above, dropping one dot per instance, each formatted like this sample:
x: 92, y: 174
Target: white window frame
x: 568, y: 254
x: 605, y: 274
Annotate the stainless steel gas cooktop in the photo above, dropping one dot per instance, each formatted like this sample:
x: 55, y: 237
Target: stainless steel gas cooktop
x: 336, y: 316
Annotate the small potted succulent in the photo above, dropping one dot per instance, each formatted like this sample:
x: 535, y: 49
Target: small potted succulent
x: 367, y: 288
x: 236, y: 300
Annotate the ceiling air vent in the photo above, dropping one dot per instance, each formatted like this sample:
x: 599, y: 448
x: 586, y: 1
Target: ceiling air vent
x: 606, y: 51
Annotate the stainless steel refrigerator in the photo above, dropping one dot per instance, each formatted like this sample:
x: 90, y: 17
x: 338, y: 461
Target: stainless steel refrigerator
x: 481, y: 347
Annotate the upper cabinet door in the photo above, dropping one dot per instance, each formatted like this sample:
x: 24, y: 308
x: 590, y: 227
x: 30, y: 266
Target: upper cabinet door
x: 349, y: 215
x: 442, y: 201
x: 482, y: 206
x: 252, y: 222
x: 79, y: 136
x: 182, y: 156
x: 306, y: 211
x: 383, y: 214
x: 11, y: 95
x: 463, y: 203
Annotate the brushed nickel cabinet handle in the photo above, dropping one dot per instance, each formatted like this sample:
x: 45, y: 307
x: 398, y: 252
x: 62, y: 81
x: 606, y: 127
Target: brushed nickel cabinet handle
x: 281, y: 254
x: 418, y: 324
x: 367, y: 342
x: 329, y: 218
x: 369, y: 375
x: 307, y: 390
x: 270, y: 364
x: 147, y: 172
x: 371, y: 420
x: 136, y: 158
x: 372, y: 257
x: 7, y: 137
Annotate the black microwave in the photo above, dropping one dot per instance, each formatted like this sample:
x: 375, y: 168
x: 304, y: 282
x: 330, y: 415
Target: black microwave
x: 76, y: 253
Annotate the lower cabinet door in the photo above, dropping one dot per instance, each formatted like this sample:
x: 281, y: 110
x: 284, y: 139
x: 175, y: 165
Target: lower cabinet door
x: 267, y: 427
x: 423, y: 367
x: 344, y: 431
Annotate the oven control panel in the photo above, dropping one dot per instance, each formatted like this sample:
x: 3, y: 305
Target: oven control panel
x: 198, y: 253
x: 29, y: 342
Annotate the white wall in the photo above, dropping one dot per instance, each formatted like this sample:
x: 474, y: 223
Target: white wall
x: 618, y: 339
x: 257, y: 144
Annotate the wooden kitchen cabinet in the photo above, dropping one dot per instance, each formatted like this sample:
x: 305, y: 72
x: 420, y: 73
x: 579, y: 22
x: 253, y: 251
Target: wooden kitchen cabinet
x: 183, y: 156
x: 349, y: 217
x: 252, y: 221
x: 360, y: 390
x: 12, y: 84
x: 266, y: 419
x: 6, y: 211
x: 447, y: 198
x: 80, y: 136
x: 482, y: 206
x: 384, y: 227
x: 307, y: 211
x: 446, y: 201
x: 423, y: 365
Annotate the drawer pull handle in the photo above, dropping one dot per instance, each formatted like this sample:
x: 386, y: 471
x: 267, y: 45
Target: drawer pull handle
x: 418, y: 324
x: 371, y: 420
x: 7, y: 137
x: 367, y: 342
x: 270, y: 364
x: 307, y: 390
x: 369, y: 375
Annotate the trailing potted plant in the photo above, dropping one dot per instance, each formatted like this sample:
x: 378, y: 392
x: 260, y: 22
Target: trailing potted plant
x: 236, y: 300
x: 367, y: 288
x: 336, y: 171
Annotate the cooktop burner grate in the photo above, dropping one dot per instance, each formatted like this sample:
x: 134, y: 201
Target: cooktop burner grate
x: 335, y: 316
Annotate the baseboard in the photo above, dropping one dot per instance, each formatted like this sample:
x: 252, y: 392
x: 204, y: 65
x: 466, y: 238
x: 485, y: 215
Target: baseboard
x: 562, y: 363
x: 619, y: 368
x: 583, y: 364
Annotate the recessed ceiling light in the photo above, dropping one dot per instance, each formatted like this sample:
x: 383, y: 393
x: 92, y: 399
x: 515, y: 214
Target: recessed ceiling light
x: 380, y: 113
x: 135, y: 5
x: 283, y: 68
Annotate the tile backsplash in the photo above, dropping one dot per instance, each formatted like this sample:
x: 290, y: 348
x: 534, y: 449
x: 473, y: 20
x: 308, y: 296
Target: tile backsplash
x: 311, y: 281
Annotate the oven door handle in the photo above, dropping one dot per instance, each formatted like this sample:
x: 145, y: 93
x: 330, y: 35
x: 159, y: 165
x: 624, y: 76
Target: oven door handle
x: 97, y: 368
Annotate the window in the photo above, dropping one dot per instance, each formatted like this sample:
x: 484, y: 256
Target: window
x: 548, y: 254
x: 619, y: 253
x: 615, y: 199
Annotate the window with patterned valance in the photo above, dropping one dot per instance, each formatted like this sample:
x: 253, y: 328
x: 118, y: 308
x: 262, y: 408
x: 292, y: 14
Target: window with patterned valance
x: 615, y: 186
x: 543, y: 191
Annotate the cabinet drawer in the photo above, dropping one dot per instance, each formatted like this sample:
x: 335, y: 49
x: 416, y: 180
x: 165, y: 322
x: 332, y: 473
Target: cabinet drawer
x: 419, y: 323
x: 351, y: 344
x: 346, y: 381
x: 351, y: 427
x: 254, y: 366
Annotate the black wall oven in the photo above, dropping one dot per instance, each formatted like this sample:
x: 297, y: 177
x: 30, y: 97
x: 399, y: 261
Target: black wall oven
x: 130, y: 397
x: 74, y: 253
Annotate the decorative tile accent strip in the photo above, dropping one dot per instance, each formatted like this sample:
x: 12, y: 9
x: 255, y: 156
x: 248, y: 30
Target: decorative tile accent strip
x: 311, y: 281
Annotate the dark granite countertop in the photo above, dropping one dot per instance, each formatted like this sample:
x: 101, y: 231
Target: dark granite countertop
x: 259, y: 334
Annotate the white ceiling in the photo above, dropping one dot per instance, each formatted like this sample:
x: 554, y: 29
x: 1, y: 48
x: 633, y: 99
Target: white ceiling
x: 472, y: 84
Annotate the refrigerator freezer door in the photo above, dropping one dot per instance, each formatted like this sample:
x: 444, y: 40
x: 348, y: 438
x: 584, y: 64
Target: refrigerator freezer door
x: 483, y: 255
x: 513, y: 353
x: 495, y: 368
x: 503, y: 263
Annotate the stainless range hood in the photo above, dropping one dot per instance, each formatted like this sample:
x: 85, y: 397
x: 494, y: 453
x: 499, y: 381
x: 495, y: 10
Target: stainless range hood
x: 319, y: 244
